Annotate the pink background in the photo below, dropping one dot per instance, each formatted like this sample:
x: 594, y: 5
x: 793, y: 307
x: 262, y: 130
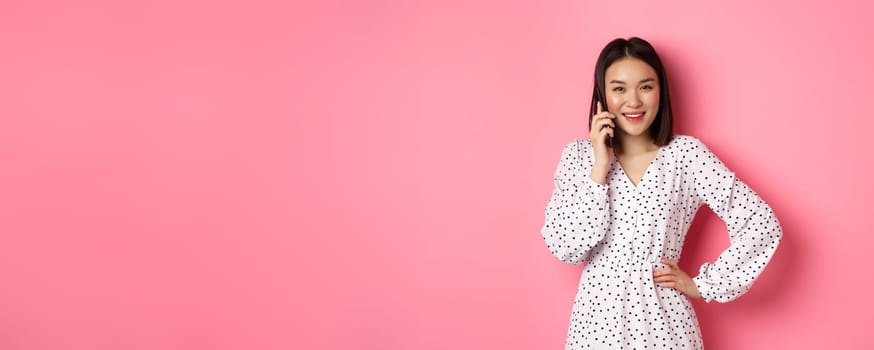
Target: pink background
x: 372, y: 175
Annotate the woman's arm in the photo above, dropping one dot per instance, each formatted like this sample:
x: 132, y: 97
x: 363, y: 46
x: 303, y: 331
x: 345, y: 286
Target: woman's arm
x: 577, y: 214
x: 753, y: 229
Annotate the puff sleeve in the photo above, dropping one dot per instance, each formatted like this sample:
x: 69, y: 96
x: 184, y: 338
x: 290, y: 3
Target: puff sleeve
x: 577, y: 214
x: 754, y: 231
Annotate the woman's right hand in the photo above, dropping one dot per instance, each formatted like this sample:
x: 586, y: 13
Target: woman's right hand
x: 601, y: 128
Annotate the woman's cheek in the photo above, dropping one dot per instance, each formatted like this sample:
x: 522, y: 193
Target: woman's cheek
x: 614, y: 104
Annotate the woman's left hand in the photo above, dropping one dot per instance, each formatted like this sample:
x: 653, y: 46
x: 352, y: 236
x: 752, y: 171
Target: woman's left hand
x: 673, y: 277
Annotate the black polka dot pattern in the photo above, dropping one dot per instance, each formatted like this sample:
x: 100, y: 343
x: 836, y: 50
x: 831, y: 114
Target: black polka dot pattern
x: 625, y: 230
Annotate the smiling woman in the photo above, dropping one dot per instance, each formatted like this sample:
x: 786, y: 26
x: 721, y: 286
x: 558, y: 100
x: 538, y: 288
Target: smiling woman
x: 632, y: 91
x: 627, y: 205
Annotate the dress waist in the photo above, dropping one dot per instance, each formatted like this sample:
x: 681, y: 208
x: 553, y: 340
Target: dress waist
x: 614, y: 263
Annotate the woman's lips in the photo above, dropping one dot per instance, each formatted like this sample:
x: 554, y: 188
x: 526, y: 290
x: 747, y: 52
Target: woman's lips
x: 634, y: 117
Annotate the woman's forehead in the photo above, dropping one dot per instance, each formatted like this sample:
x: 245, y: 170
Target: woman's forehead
x: 629, y: 69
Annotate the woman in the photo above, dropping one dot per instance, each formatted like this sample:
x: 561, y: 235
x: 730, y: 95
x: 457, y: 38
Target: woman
x: 625, y: 198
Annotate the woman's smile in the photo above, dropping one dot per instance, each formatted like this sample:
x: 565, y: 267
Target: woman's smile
x: 635, y: 117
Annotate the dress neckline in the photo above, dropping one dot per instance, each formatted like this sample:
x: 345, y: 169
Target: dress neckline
x: 645, y: 173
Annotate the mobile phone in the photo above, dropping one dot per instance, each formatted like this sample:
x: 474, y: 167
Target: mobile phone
x: 603, y: 98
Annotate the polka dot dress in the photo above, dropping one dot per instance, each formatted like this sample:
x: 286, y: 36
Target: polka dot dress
x: 625, y: 230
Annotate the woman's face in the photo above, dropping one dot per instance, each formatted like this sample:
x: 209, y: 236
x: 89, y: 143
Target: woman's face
x: 632, y: 95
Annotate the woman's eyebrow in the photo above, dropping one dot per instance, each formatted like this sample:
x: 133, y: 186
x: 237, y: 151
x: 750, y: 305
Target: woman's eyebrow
x: 641, y: 82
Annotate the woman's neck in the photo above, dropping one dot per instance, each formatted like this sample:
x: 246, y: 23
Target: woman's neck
x: 637, y: 144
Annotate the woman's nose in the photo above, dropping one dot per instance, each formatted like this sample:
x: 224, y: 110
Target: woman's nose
x: 633, y: 100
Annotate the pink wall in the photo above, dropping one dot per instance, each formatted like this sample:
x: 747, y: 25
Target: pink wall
x: 203, y: 175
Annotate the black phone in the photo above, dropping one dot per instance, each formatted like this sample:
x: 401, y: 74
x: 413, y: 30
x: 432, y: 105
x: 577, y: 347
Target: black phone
x: 603, y: 98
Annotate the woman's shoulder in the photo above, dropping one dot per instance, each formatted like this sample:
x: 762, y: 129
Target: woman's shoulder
x: 577, y: 145
x: 686, y: 144
x: 577, y: 149
x: 685, y: 150
x: 691, y: 151
x: 685, y: 141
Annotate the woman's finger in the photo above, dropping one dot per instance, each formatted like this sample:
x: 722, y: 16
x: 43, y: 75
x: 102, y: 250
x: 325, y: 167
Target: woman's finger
x: 660, y: 272
x: 601, y: 117
x: 605, y: 132
x: 668, y: 284
x: 666, y: 275
x: 605, y: 115
x: 666, y: 278
x: 599, y: 123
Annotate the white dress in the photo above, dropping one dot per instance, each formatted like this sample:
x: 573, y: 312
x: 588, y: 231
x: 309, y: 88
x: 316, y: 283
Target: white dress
x: 625, y: 230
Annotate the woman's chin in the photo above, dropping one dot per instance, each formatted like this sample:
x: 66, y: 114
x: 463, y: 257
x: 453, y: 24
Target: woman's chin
x: 634, y: 132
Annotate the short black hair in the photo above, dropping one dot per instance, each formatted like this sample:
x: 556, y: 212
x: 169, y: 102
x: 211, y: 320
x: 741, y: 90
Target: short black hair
x: 661, y: 129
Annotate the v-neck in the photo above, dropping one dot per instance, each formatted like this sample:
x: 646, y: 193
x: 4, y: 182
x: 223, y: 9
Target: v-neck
x: 645, y: 173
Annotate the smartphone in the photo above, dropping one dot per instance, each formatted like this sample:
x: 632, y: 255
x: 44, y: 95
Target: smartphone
x: 603, y: 98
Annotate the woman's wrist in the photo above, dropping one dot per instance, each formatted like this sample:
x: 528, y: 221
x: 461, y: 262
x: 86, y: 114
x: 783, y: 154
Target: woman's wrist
x: 599, y: 174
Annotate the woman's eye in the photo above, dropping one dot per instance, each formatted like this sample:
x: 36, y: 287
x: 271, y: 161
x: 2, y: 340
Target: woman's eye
x: 618, y: 89
x: 646, y: 87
